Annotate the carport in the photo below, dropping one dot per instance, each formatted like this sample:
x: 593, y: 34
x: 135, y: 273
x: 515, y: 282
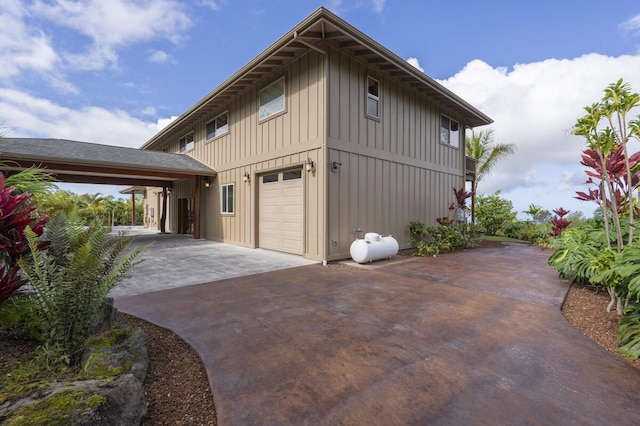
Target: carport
x: 83, y: 162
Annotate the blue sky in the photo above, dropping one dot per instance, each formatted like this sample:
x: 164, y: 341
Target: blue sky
x: 115, y: 71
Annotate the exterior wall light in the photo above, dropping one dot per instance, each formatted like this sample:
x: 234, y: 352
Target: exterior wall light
x: 310, y: 165
x: 207, y: 182
x: 245, y: 177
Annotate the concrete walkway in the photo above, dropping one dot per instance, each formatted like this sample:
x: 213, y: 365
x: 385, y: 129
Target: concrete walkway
x: 469, y: 338
x: 172, y: 260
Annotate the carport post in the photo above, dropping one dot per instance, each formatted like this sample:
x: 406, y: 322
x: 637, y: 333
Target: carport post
x: 163, y: 214
x: 196, y: 209
x: 133, y: 207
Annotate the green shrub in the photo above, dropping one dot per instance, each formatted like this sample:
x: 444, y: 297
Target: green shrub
x: 72, y: 278
x: 433, y: 240
x: 580, y: 254
x: 493, y: 213
x: 527, y: 231
x: 629, y: 332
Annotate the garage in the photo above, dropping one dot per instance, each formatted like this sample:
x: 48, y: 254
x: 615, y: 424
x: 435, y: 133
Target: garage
x: 281, y: 211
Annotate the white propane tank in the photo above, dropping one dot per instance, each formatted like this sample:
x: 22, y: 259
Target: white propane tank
x: 373, y: 247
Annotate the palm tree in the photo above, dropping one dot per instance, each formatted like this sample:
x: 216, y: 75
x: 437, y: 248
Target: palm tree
x: 481, y: 148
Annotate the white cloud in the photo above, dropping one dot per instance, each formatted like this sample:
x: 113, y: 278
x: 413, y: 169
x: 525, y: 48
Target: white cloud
x: 110, y: 25
x: 148, y: 111
x: 164, y: 122
x: 213, y: 4
x: 27, y: 116
x: 22, y: 47
x: 535, y: 106
x: 158, y: 56
x: 339, y: 7
x: 415, y: 62
x: 378, y: 5
x: 631, y: 24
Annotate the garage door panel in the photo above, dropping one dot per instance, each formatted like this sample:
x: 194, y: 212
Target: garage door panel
x: 281, y: 213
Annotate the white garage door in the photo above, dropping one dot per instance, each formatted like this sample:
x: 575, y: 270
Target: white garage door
x: 281, y: 211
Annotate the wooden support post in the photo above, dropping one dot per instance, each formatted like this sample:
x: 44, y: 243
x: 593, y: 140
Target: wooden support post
x: 133, y: 208
x: 163, y: 214
x: 196, y: 208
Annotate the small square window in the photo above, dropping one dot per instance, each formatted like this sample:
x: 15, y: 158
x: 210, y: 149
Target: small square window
x: 226, y: 198
x: 272, y: 99
x: 218, y: 126
x: 449, y: 131
x: 187, y: 142
x: 373, y: 97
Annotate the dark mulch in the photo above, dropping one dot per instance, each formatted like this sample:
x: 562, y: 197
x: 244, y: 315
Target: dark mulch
x: 177, y: 387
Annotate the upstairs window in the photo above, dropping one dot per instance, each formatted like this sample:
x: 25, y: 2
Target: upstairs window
x: 272, y: 99
x: 373, y: 97
x: 226, y: 198
x: 218, y: 126
x: 186, y: 142
x: 449, y: 131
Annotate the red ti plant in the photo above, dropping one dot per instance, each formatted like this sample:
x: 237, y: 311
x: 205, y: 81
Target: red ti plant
x: 460, y: 204
x: 559, y: 222
x: 616, y: 171
x: 17, y: 211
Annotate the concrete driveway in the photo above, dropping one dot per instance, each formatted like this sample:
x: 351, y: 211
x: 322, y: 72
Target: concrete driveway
x: 172, y: 260
x: 469, y: 338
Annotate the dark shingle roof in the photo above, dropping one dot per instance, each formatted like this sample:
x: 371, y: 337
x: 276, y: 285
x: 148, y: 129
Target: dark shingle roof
x: 64, y: 151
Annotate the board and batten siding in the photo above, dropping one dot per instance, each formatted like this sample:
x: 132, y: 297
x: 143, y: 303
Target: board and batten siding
x: 393, y: 169
x: 240, y: 228
x: 253, y: 146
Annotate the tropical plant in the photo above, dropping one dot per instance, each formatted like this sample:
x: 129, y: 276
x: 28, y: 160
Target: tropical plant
x: 433, y: 240
x: 538, y: 214
x: 457, y: 209
x: 612, y: 171
x: 487, y: 155
x: 107, y: 209
x: 629, y: 332
x: 17, y: 212
x: 72, y: 278
x: 493, y: 213
x: 559, y: 222
x: 581, y: 253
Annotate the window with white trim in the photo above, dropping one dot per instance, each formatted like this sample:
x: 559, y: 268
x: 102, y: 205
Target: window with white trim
x: 449, y: 131
x: 272, y: 99
x: 226, y: 198
x: 187, y: 142
x: 218, y: 126
x: 373, y: 97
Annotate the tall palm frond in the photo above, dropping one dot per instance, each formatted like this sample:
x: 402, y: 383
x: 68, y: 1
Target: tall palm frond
x: 488, y: 155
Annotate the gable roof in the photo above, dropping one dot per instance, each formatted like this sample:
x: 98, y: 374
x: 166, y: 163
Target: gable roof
x: 320, y: 28
x: 75, y: 161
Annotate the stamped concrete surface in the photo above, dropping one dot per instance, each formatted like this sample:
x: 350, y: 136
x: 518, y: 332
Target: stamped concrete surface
x: 172, y: 260
x: 468, y: 338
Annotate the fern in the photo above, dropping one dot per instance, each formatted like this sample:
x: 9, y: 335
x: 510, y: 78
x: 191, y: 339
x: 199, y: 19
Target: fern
x: 72, y: 278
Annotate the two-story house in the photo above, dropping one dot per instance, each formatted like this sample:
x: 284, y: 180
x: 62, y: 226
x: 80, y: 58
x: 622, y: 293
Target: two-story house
x: 323, y: 132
